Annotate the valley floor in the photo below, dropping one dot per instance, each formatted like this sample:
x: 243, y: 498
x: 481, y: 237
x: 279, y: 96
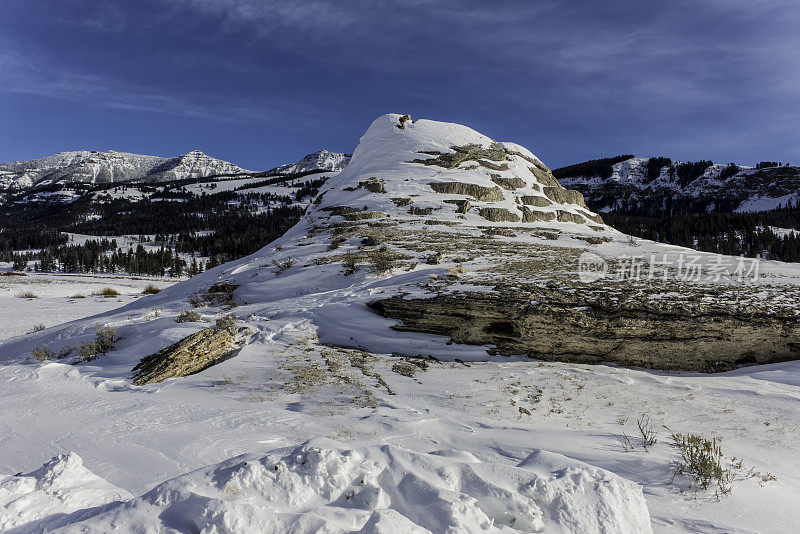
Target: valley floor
x: 288, y: 388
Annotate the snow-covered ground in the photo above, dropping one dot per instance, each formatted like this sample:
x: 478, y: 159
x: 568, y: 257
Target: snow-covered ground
x: 39, y: 299
x: 347, y: 425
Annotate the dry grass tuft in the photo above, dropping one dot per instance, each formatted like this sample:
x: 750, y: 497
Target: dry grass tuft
x: 107, y: 292
x: 151, y: 290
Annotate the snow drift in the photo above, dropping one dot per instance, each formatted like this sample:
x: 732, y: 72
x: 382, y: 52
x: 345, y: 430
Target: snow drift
x: 51, y: 493
x: 325, y: 486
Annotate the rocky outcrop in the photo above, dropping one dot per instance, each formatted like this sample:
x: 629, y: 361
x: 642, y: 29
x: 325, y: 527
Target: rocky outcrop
x: 473, y: 152
x: 413, y: 210
x: 498, y: 215
x: 544, y: 177
x: 478, y: 192
x: 566, y: 216
x: 564, y: 196
x: 529, y: 215
x: 188, y: 356
x: 532, y: 200
x: 462, y: 206
x: 656, y: 336
x: 509, y: 183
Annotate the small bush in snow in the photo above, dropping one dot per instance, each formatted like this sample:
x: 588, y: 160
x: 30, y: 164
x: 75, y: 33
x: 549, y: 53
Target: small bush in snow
x: 350, y: 262
x: 107, y: 292
x: 42, y: 353
x: 105, y: 340
x: 702, y: 459
x: 38, y: 327
x: 646, y: 431
x: 189, y: 316
x: 151, y: 290
x: 282, y: 266
x: 226, y: 322
x: 27, y: 295
x: 383, y: 261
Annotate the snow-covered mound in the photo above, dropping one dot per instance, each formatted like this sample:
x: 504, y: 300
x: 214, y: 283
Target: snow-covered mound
x: 321, y: 160
x: 52, y: 492
x: 325, y: 486
x: 110, y: 167
x: 405, y: 170
x: 659, y: 185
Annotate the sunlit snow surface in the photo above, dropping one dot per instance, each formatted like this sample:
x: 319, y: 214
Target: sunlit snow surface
x: 336, y: 438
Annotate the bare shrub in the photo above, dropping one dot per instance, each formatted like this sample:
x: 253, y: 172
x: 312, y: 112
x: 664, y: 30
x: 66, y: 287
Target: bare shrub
x: 27, y: 295
x: 282, y: 266
x: 646, y: 431
x: 336, y: 242
x: 42, y: 353
x: 350, y: 262
x: 38, y: 327
x: 107, y: 292
x: 226, y: 322
x: 383, y: 261
x: 151, y: 290
x: 77, y: 296
x: 189, y: 316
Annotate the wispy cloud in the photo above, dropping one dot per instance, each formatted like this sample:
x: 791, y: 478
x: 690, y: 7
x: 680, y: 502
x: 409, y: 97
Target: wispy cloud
x: 27, y: 74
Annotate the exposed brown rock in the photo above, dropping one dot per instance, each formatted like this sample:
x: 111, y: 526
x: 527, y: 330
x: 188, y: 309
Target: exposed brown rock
x: 509, y: 183
x: 705, y: 339
x: 460, y: 154
x: 373, y: 185
x: 544, y: 176
x: 462, y: 206
x: 564, y: 196
x: 566, y: 216
x: 188, y: 356
x: 352, y: 214
x: 529, y: 215
x: 498, y: 215
x: 478, y: 192
x: 594, y: 218
x: 532, y: 200
x: 413, y: 210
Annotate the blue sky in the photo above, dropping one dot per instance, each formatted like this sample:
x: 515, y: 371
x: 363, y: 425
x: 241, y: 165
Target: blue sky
x: 261, y: 82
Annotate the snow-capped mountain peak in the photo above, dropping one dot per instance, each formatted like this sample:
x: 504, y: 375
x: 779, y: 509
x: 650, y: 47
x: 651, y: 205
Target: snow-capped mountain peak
x: 91, y: 166
x: 322, y: 160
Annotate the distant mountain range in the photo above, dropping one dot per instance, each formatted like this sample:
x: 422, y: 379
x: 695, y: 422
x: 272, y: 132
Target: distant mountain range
x: 661, y: 186
x: 93, y: 167
x: 318, y: 161
x: 656, y: 186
